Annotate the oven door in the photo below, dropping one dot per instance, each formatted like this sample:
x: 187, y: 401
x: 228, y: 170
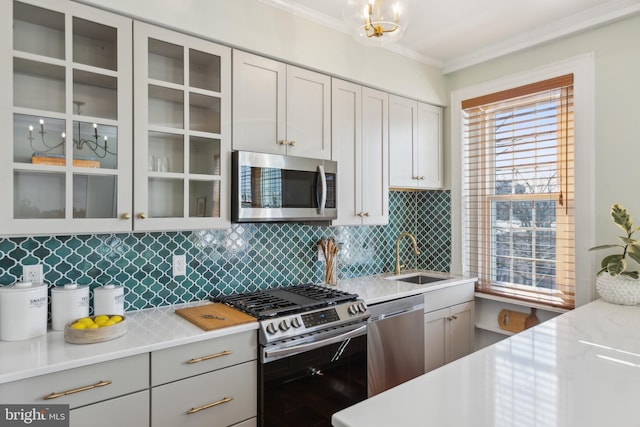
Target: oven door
x: 305, y: 385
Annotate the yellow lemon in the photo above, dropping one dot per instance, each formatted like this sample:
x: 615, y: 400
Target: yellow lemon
x: 78, y: 325
x: 100, y: 322
x: 93, y: 326
x: 108, y: 323
x: 101, y: 318
x: 85, y: 321
x: 117, y: 318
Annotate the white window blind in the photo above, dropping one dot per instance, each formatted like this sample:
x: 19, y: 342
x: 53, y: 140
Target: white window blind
x: 519, y: 192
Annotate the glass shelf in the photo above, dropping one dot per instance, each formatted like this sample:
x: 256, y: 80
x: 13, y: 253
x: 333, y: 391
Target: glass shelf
x: 37, y: 30
x: 95, y: 44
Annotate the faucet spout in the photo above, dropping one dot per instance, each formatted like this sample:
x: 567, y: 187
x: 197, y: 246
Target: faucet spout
x: 415, y: 249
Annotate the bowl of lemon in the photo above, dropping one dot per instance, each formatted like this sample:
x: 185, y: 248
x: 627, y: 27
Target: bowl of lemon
x: 99, y: 328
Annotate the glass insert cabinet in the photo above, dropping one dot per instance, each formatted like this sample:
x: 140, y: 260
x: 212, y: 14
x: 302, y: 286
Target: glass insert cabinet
x: 70, y: 163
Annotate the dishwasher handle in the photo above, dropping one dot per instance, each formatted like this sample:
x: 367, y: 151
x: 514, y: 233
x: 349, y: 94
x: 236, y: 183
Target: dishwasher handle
x: 399, y: 312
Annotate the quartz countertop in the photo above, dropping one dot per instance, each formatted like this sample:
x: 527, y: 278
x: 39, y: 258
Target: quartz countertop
x: 385, y: 287
x: 158, y: 328
x: 578, y: 369
x: 148, y: 330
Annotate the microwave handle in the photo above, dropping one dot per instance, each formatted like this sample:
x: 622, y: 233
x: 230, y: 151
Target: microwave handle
x: 323, y: 193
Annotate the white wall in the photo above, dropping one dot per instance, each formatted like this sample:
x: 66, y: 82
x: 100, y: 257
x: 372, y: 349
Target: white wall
x: 254, y: 26
x: 616, y: 54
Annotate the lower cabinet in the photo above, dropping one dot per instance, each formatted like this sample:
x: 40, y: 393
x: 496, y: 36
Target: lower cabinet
x: 448, y: 335
x: 131, y: 410
x: 449, y: 324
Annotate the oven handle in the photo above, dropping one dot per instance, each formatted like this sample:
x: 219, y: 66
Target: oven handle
x: 279, y: 353
x: 323, y: 193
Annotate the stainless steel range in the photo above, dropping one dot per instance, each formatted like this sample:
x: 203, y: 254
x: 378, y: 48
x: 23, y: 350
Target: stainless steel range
x: 313, y: 352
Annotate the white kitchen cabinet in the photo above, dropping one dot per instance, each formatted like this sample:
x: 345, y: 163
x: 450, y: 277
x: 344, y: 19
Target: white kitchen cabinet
x: 279, y: 108
x: 68, y: 117
x: 415, y: 140
x: 130, y: 410
x: 208, y: 383
x: 360, y: 145
x: 91, y: 392
x: 449, y: 324
x: 182, y: 138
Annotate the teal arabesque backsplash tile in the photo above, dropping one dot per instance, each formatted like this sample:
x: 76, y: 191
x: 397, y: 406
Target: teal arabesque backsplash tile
x: 243, y: 257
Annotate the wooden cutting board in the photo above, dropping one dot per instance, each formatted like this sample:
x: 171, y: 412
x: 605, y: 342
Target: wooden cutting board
x: 225, y: 316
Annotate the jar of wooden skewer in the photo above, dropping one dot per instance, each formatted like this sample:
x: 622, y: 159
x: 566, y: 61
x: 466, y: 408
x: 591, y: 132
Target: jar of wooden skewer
x: 330, y: 251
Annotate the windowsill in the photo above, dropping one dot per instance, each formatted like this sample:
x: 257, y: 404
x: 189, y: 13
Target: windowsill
x: 520, y: 303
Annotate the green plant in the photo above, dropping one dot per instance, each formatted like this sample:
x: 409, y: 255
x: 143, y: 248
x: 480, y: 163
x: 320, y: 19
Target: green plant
x: 617, y: 263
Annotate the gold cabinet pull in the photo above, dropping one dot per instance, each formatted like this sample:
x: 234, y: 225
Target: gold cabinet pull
x: 282, y: 142
x: 366, y: 214
x: 209, y: 405
x: 125, y: 215
x: 452, y: 317
x: 211, y: 356
x: 77, y: 390
x: 292, y: 143
x: 141, y: 215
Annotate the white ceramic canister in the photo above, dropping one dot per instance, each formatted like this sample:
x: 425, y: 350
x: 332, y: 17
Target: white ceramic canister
x: 23, y: 311
x: 108, y: 299
x: 68, y: 302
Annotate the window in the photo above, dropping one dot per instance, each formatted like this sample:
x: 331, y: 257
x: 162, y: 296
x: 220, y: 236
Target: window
x: 518, y: 192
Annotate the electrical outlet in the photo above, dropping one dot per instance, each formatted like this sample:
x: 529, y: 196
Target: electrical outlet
x: 32, y: 273
x: 179, y: 265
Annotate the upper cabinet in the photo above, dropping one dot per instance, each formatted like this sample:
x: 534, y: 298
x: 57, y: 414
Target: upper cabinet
x: 66, y: 166
x: 360, y: 145
x: 415, y: 140
x: 182, y: 138
x: 280, y: 108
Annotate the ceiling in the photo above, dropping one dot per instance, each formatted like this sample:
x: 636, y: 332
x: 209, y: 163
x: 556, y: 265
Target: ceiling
x: 455, y: 34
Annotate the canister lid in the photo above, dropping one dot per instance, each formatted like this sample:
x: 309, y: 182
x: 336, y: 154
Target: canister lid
x: 21, y: 286
x: 69, y: 287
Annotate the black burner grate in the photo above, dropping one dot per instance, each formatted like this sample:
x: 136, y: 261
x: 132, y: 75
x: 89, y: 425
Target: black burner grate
x: 283, y: 301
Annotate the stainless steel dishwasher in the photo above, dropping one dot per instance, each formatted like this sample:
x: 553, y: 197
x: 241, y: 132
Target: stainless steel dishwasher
x: 395, y: 343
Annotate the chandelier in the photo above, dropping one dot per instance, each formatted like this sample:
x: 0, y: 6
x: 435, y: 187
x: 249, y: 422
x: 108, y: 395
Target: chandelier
x: 377, y: 22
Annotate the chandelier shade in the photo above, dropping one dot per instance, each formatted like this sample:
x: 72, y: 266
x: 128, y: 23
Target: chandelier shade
x: 377, y: 22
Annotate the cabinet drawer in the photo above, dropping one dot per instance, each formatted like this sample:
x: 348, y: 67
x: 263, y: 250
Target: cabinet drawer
x: 446, y: 297
x: 130, y: 410
x: 234, y: 388
x: 253, y: 422
x: 126, y: 375
x: 192, y: 359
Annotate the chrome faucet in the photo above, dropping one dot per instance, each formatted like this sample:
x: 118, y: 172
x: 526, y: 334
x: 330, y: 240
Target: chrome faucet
x: 415, y: 249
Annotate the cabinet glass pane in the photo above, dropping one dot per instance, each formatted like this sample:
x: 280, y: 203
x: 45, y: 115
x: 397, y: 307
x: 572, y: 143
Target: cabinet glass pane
x: 166, y: 107
x: 95, y: 95
x: 204, y: 70
x: 95, y: 44
x: 95, y: 145
x: 38, y: 195
x: 166, y: 152
x: 204, y: 113
x: 37, y: 30
x: 204, y: 198
x: 38, y: 85
x: 38, y: 139
x: 166, y: 198
x: 94, y: 196
x: 204, y: 156
x: 166, y: 61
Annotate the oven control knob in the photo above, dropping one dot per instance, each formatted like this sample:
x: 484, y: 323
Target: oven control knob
x: 284, y: 325
x: 353, y: 309
x: 362, y: 308
x: 296, y: 322
x: 271, y: 328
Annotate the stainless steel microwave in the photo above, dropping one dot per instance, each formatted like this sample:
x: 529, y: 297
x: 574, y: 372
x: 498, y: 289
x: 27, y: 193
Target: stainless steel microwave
x: 275, y: 188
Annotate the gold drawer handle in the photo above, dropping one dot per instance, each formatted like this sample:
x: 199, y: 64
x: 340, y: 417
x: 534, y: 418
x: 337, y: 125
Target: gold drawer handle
x: 211, y: 356
x: 77, y: 390
x: 209, y: 405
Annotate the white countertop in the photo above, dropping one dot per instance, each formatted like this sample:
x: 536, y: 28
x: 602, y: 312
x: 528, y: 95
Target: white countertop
x: 578, y: 369
x: 158, y: 328
x: 148, y: 330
